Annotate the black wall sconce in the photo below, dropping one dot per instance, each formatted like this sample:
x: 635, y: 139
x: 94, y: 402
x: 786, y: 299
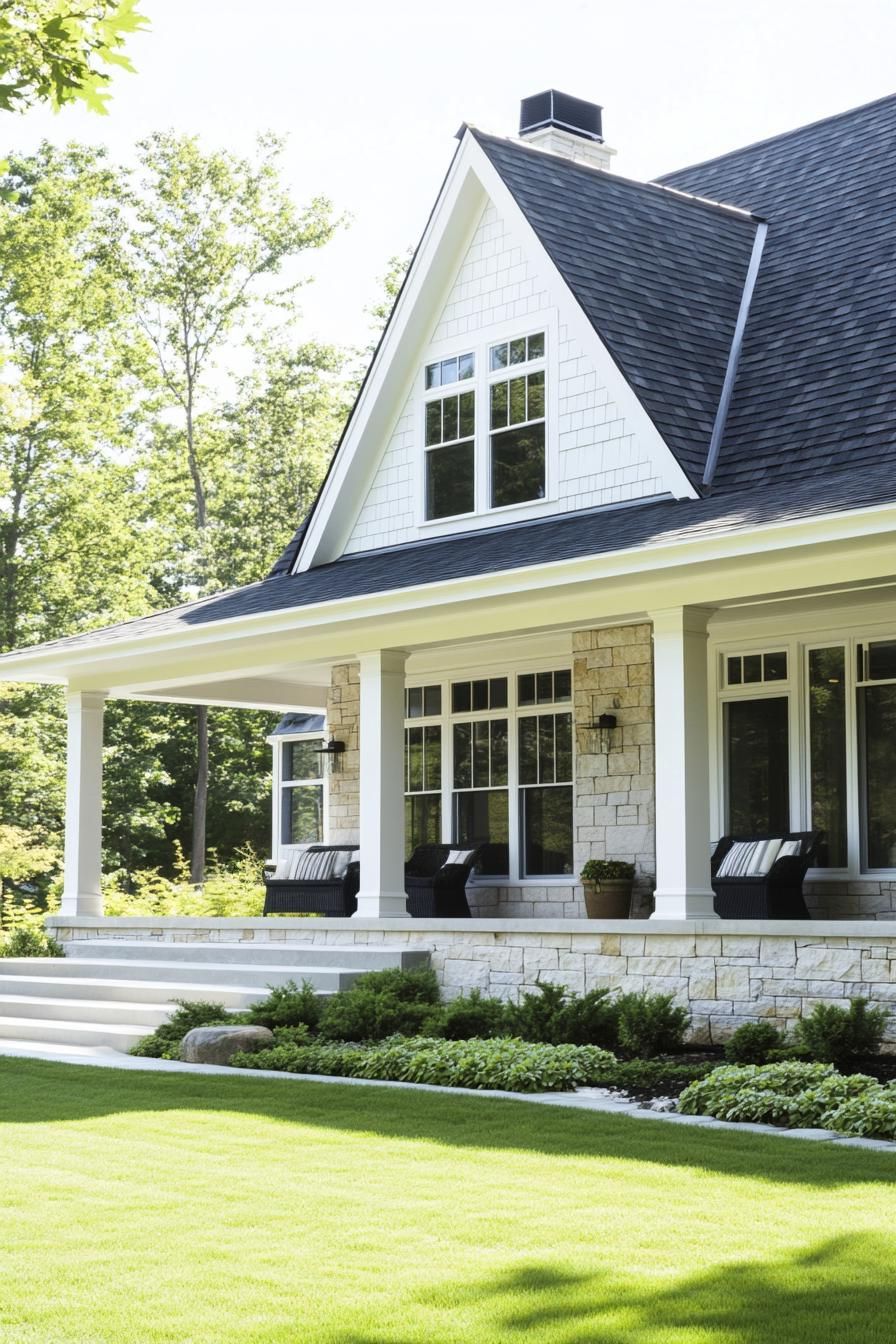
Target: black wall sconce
x: 331, y: 755
x: 603, y: 730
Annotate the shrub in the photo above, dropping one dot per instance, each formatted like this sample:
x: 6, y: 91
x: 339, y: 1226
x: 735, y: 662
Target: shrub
x: 753, y: 1043
x: 637, y: 1074
x: 556, y: 1016
x: 506, y: 1064
x: 473, y: 1014
x: 381, y: 1004
x: 871, y: 1114
x: 287, y: 1006
x: 164, y: 1042
x: 791, y: 1093
x: 649, y: 1024
x: 834, y: 1035
x: 30, y: 942
x: 607, y: 870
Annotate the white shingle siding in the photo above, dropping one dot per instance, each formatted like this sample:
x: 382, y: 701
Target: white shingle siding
x: 600, y: 462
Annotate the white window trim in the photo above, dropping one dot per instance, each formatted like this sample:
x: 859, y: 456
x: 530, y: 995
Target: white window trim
x: 763, y: 637
x: 512, y: 712
x: 278, y: 741
x: 479, y: 344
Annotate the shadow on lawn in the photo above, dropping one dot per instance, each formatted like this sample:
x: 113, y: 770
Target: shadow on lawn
x: 35, y: 1092
x: 841, y: 1291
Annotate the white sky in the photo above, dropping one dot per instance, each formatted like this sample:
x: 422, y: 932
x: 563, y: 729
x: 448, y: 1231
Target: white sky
x: 371, y: 95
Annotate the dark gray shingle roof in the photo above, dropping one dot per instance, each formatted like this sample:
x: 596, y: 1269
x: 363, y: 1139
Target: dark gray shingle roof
x: 659, y: 276
x: 815, y: 388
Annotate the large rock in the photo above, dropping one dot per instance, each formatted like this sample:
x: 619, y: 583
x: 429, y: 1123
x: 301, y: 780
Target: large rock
x: 218, y: 1045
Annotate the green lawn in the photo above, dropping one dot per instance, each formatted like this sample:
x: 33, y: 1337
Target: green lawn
x: 143, y: 1207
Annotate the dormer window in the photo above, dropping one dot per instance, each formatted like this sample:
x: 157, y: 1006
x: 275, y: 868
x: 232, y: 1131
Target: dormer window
x: 501, y: 462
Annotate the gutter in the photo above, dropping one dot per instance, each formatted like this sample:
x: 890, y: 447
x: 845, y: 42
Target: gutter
x: 718, y: 429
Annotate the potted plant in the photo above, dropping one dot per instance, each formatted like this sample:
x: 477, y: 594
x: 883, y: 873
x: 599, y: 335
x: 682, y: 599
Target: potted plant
x: 608, y: 888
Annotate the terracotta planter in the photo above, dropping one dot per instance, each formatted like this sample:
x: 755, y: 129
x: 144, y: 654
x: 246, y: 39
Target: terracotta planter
x: 609, y: 899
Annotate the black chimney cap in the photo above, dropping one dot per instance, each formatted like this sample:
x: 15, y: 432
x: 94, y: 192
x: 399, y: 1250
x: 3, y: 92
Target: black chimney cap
x: 553, y: 108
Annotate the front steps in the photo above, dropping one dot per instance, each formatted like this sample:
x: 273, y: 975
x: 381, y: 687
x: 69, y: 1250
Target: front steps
x: 108, y: 993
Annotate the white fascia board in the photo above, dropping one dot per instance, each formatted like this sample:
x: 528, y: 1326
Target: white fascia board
x: 445, y: 240
x: 295, y: 623
x: 472, y: 180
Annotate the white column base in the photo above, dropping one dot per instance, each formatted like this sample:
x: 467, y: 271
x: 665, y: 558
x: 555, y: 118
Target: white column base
x: 382, y: 905
x: 85, y: 903
x: 683, y: 905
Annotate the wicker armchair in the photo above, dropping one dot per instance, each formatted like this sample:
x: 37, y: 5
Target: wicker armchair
x: 778, y: 894
x: 335, y: 897
x: 436, y: 890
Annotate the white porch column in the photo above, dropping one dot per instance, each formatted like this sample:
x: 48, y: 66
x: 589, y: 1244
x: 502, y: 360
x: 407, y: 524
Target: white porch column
x: 84, y: 805
x: 683, y: 888
x: 381, y: 738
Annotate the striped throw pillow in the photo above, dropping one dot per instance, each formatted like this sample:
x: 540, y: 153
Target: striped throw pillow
x: 458, y: 856
x: 749, y: 858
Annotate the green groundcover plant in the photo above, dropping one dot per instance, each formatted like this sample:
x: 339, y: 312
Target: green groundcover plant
x: 795, y: 1094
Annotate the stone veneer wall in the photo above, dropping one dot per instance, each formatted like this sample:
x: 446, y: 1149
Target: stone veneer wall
x: 863, y: 899
x: 725, y: 975
x: 343, y: 784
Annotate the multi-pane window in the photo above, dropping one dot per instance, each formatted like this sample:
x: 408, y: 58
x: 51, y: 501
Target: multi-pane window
x: 517, y: 423
x: 484, y: 693
x: 481, y: 814
x: 743, y: 669
x: 876, y: 700
x: 450, y: 455
x: 544, y: 688
x: 423, y: 785
x: 546, y: 793
x: 444, y: 372
x: 826, y: 669
x: 422, y: 702
x: 757, y: 763
x: 301, y: 793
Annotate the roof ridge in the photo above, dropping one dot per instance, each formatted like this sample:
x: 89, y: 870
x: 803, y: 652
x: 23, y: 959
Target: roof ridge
x: 651, y: 187
x: 774, y: 139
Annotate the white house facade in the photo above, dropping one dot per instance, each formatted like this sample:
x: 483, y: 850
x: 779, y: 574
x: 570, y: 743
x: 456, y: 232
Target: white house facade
x: 603, y: 567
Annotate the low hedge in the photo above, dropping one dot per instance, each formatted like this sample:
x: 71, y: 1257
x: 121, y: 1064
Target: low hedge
x: 795, y: 1095
x: 505, y: 1064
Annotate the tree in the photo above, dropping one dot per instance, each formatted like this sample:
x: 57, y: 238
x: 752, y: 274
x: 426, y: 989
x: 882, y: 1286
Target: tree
x: 54, y: 50
x: 213, y: 234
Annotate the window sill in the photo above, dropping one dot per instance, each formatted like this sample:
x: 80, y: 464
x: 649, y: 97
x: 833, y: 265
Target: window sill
x: 562, y: 880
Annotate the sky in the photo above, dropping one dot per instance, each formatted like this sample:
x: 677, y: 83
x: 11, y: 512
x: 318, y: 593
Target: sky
x: 371, y: 96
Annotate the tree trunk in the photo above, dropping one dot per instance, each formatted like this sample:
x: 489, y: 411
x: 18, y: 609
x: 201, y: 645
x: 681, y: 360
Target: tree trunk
x: 200, y: 797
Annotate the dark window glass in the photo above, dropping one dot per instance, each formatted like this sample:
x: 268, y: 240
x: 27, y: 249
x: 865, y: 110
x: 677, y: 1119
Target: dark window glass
x: 528, y: 734
x: 422, y: 821
x: 535, y: 401
x: 526, y: 689
x: 463, y: 755
x: 481, y: 818
x: 449, y: 481
x: 480, y: 695
x: 518, y: 351
x: 498, y: 744
x: 461, y: 699
x: 432, y: 701
x: 734, y: 677
x: 882, y: 660
x: 413, y: 745
x: 546, y: 749
x: 498, y: 357
x: 536, y: 346
x: 301, y: 760
x: 547, y: 831
x: 433, y: 375
x: 517, y: 401
x: 465, y: 367
x: 303, y: 815
x: 497, y: 693
x: 563, y: 746
x: 827, y: 751
x: 432, y: 756
x: 562, y: 685
x: 752, y: 667
x: 449, y: 419
x: 758, y: 767
x: 544, y: 688
x: 518, y: 465
x: 481, y: 766
x: 774, y: 666
x: 466, y: 416
x: 877, y: 729
x: 433, y: 422
x: 414, y: 702
x: 499, y: 405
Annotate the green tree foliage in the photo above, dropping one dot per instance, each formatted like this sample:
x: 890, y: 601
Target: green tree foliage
x: 54, y: 50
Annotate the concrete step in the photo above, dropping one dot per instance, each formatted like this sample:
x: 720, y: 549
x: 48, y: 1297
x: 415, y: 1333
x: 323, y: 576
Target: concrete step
x: 358, y: 956
x: 58, y: 1031
x: 161, y: 992
x: 255, y: 975
x: 148, y: 1016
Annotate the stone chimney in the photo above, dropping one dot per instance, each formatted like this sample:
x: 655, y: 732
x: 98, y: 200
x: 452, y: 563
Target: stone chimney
x: 567, y: 126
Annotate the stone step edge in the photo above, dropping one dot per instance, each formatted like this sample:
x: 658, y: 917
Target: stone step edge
x: 231, y: 966
x: 105, y: 982
x: 72, y: 1024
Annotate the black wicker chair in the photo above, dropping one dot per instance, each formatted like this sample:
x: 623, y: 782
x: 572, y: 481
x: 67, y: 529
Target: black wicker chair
x: 776, y: 895
x: 436, y: 890
x: 335, y: 897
